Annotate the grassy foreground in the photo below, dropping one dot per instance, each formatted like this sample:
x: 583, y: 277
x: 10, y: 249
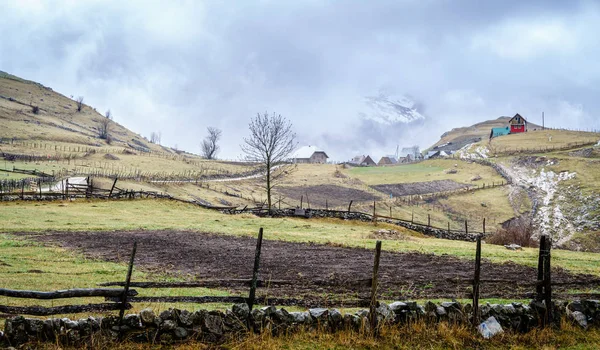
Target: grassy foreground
x: 154, y: 215
x: 413, y: 336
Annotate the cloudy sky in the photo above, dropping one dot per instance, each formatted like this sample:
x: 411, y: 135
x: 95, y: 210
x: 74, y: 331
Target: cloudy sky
x: 180, y: 66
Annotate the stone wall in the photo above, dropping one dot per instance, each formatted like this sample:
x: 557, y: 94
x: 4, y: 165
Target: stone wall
x: 216, y: 327
x: 345, y: 215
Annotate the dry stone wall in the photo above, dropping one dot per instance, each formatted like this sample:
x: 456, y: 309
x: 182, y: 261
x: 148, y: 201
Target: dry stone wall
x: 216, y: 327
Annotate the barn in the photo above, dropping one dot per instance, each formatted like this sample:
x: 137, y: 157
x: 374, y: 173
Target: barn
x: 387, y: 160
x: 363, y: 161
x: 517, y: 124
x: 310, y: 155
x: 499, y: 132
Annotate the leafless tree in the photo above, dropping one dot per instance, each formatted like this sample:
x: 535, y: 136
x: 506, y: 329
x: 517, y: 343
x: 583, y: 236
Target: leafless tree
x: 209, y: 145
x: 104, y: 126
x: 79, y: 101
x: 155, y: 137
x: 271, y: 143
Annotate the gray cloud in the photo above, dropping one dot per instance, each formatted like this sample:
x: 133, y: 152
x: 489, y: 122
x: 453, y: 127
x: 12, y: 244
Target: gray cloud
x: 181, y: 66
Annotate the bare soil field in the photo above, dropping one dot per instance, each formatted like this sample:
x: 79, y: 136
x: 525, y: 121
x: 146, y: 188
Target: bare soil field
x: 333, y: 194
x: 409, y: 189
x: 322, y: 274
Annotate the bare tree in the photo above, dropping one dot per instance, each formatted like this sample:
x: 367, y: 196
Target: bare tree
x: 79, y: 101
x: 155, y: 137
x: 209, y: 145
x: 104, y: 126
x: 271, y: 143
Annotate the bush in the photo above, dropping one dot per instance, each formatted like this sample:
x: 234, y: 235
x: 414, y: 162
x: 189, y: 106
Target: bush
x: 517, y: 231
x: 35, y: 109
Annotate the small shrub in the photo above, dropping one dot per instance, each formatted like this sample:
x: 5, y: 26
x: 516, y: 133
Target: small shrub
x: 35, y: 109
x: 518, y: 231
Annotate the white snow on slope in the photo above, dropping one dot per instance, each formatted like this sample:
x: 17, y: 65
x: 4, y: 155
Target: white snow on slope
x: 389, y: 110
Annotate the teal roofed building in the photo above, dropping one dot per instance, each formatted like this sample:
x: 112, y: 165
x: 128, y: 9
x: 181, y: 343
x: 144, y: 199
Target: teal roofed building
x: 499, y: 132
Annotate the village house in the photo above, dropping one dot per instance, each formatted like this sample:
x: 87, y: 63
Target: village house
x: 517, y: 124
x: 309, y: 154
x: 387, y: 160
x: 363, y: 161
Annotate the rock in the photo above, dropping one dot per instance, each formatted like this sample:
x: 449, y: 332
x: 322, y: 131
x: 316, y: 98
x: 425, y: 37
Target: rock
x: 168, y: 325
x: 440, y: 311
x: 383, y: 311
x: 300, y: 317
x: 132, y: 321
x: 242, y: 310
x: 282, y: 316
x: 576, y: 306
x: 269, y: 310
x: 513, y: 247
x: 476, y: 178
x: 213, y: 324
x: 35, y: 326
x: 490, y: 328
x: 335, y: 318
x: 147, y: 316
x: 168, y: 315
x: 15, y: 330
x: 185, y: 318
x: 180, y: 333
x: 579, y: 318
x: 318, y: 313
x: 509, y: 310
x: 398, y: 306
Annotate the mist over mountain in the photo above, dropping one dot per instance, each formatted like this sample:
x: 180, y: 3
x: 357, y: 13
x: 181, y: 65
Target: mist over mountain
x: 353, y: 77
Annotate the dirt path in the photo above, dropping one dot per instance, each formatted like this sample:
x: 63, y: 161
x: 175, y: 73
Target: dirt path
x: 323, y: 273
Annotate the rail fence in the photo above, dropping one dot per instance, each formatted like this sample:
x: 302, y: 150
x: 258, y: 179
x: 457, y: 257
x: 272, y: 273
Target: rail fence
x: 121, y: 299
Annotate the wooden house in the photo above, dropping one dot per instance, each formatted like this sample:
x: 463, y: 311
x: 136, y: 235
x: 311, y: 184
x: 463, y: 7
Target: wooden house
x: 387, y: 160
x: 517, y: 124
x: 310, y: 155
x: 363, y: 161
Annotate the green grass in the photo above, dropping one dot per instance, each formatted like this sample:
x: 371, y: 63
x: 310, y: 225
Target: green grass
x: 153, y: 215
x: 425, y: 171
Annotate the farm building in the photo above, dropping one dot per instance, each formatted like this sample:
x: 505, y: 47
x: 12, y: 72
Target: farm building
x: 499, y: 132
x: 517, y: 124
x: 310, y: 154
x: 387, y: 160
x: 406, y: 159
x: 363, y: 161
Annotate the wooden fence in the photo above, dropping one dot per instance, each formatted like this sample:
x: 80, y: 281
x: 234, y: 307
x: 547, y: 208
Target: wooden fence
x: 121, y: 299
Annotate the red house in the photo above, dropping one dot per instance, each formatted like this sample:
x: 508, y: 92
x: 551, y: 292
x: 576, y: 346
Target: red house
x: 517, y: 124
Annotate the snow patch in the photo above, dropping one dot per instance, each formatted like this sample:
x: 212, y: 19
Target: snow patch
x: 481, y: 152
x: 389, y: 110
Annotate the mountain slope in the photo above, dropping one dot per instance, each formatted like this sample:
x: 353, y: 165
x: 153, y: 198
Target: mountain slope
x: 390, y: 110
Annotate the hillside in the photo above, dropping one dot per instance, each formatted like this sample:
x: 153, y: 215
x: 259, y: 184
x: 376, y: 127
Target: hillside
x: 556, y: 169
x: 43, y: 130
x: 550, y: 170
x: 457, y: 138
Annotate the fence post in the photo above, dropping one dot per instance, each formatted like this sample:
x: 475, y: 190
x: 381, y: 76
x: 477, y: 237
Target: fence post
x: 349, y: 206
x: 326, y: 205
x: 476, y: 282
x: 67, y: 188
x: 22, y: 189
x: 126, y: 290
x: 428, y: 220
x: 539, y: 286
x: 548, y: 283
x: 301, y: 201
x: 40, y: 187
x: 255, y: 271
x: 448, y: 227
x: 374, y: 212
x: 373, y: 305
x: 307, y: 201
x: 466, y: 227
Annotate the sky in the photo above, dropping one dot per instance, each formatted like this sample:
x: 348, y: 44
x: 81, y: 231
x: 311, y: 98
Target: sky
x: 178, y: 67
